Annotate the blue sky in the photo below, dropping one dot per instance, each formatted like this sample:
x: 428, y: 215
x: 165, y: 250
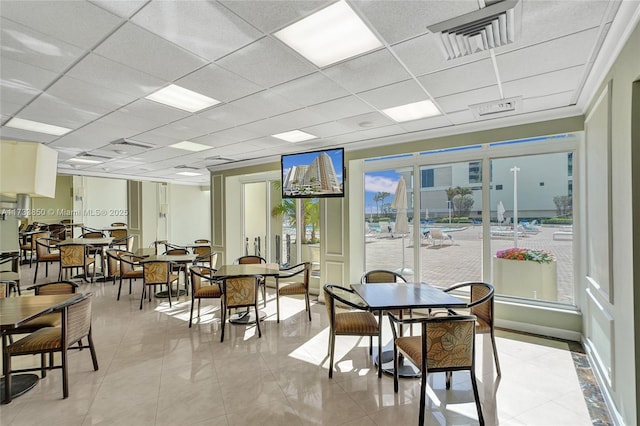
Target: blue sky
x: 374, y: 182
x: 306, y: 159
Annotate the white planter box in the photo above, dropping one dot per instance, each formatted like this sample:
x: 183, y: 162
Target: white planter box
x: 523, y: 278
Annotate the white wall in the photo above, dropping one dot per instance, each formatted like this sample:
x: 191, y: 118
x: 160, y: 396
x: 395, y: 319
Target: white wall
x: 104, y: 201
x: 189, y: 213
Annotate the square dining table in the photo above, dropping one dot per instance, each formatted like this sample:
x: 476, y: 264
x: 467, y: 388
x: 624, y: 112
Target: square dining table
x: 15, y: 311
x: 382, y: 297
x: 264, y: 269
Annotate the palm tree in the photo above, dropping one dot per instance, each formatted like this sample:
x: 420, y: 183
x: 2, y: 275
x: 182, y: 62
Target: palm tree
x: 381, y: 197
x: 460, y: 199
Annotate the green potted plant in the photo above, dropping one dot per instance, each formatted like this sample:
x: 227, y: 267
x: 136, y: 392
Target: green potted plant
x: 525, y: 272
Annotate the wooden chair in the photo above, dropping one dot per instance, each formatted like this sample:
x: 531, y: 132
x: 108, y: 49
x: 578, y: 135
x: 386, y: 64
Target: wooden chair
x: 29, y: 245
x: 125, y: 243
x: 10, y: 270
x: 76, y: 325
x: 209, y: 258
x: 203, y: 286
x: 446, y: 344
x: 130, y: 269
x: 255, y: 260
x: 378, y: 276
x: 158, y: 272
x: 240, y: 291
x: 356, y: 321
x: 481, y: 301
x: 76, y: 256
x: 46, y: 252
x: 4, y: 287
x: 296, y: 282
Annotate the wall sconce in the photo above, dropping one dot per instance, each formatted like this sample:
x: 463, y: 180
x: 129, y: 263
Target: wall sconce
x: 164, y: 209
x: 78, y: 193
x: 28, y: 169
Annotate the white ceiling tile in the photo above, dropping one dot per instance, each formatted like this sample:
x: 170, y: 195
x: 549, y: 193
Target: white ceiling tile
x: 187, y: 128
x: 426, y: 123
x: 29, y: 47
x: 366, y: 122
x: 218, y: 83
x: 394, y: 95
x: 101, y: 99
x: 546, y: 20
x: 545, y: 84
x: 121, y: 118
x: 119, y: 7
x: 154, y: 111
x: 264, y: 104
x: 231, y: 115
x: 94, y: 135
x: 25, y: 135
x: 368, y: 71
x: 157, y: 137
x: 399, y: 20
x: 269, y: 16
x: 8, y: 108
x: 310, y: 89
x: 301, y: 118
x: 424, y: 54
x: 267, y: 62
x: 343, y: 107
x: 555, y: 100
x: 137, y: 48
x: 227, y: 136
x: 206, y: 28
x: 545, y: 57
x: 266, y: 127
x: 106, y: 73
x: 76, y: 22
x: 460, y: 101
x: 59, y: 112
x: 459, y: 79
x: 331, y: 128
x: 462, y: 117
x: 19, y: 83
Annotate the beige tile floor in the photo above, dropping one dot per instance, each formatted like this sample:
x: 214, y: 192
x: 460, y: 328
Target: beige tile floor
x: 154, y: 370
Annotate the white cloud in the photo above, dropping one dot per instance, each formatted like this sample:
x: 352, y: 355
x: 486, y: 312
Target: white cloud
x: 380, y: 184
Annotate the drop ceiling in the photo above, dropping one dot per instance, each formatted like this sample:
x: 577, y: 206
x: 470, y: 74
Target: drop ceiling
x: 88, y: 66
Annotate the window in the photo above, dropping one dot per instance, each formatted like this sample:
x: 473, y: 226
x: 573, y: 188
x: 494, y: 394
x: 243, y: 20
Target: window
x: 498, y: 187
x: 427, y: 178
x: 570, y: 164
x: 475, y: 172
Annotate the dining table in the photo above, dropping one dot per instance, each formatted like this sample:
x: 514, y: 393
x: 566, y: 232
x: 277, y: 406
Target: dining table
x: 264, y: 269
x: 15, y: 311
x: 381, y: 297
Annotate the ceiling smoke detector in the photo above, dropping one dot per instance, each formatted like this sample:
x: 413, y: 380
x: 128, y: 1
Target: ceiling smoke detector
x: 502, y: 106
x: 492, y: 26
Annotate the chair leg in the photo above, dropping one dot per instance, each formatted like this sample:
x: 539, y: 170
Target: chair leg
x: 35, y: 276
x: 332, y: 347
x: 224, y: 321
x: 65, y: 374
x: 258, y: 319
x: 92, y: 349
x: 191, y: 316
x: 277, y: 304
x: 7, y: 376
x: 306, y: 296
x: 395, y: 368
x: 143, y: 291
x: 477, y: 397
x: 119, y: 288
x: 495, y: 353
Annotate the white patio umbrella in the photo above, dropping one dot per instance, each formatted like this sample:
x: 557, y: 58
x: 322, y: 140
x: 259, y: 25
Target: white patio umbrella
x: 501, y: 211
x: 402, y: 223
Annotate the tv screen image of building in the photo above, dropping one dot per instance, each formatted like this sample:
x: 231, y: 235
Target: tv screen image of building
x: 313, y: 174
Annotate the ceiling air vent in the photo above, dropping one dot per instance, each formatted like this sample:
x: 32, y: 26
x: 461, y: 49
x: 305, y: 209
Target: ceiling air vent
x: 491, y: 26
x: 184, y: 166
x: 502, y: 106
x: 132, y: 143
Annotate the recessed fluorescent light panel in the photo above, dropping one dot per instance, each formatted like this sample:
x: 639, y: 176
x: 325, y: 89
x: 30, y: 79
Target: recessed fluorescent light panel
x: 294, y: 136
x: 35, y: 126
x: 330, y: 35
x: 84, y: 161
x: 185, y: 99
x: 413, y: 111
x: 188, y: 174
x: 190, y: 146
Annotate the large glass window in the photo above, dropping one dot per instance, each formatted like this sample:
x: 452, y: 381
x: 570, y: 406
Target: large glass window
x: 532, y: 227
x: 500, y: 212
x: 450, y: 225
x: 389, y: 221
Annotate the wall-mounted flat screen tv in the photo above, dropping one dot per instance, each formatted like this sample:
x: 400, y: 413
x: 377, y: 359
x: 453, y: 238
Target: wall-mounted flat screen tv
x: 313, y: 174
